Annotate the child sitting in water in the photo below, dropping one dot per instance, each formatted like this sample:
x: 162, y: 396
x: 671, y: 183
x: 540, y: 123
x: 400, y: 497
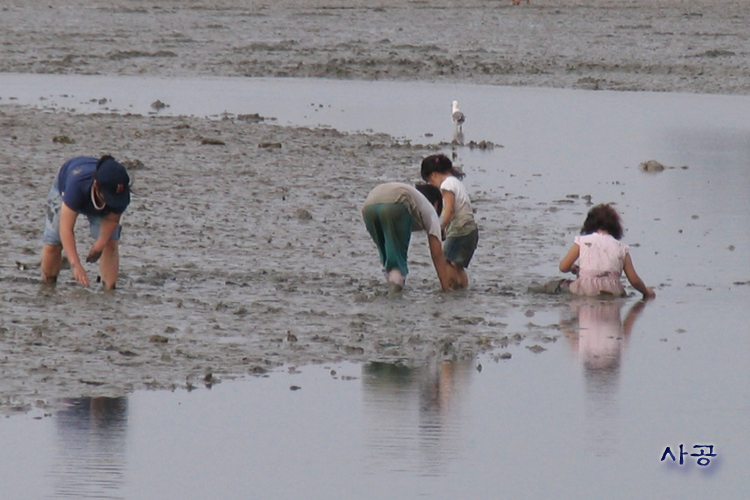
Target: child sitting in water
x: 601, y: 258
x: 457, y: 219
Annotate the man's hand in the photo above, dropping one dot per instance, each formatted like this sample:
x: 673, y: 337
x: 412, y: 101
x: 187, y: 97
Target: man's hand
x: 79, y: 273
x: 93, y: 255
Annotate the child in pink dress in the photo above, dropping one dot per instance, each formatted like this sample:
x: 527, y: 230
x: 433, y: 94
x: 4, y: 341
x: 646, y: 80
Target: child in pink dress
x: 601, y: 258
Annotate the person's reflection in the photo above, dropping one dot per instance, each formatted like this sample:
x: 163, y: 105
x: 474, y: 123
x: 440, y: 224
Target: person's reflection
x: 91, y: 448
x: 414, y: 413
x: 598, y: 335
x: 458, y: 137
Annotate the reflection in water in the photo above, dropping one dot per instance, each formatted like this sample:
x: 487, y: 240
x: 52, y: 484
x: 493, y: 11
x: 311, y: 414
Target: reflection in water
x: 91, y: 448
x: 458, y: 137
x: 413, y: 414
x: 599, y: 340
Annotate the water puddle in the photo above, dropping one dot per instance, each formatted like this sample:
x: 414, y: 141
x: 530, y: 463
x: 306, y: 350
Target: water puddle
x: 572, y: 421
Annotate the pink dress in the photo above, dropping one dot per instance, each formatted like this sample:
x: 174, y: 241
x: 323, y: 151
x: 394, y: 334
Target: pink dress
x: 600, y: 260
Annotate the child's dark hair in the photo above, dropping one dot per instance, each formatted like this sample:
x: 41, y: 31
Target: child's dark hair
x: 432, y: 194
x: 603, y: 217
x: 439, y: 163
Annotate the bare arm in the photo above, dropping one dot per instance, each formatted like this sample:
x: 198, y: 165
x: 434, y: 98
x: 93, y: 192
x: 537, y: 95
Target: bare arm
x: 68, y: 218
x: 635, y: 280
x: 567, y: 264
x: 449, y: 205
x: 444, y: 270
x: 635, y: 311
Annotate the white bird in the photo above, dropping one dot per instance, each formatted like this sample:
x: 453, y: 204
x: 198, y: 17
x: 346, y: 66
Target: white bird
x: 458, y: 117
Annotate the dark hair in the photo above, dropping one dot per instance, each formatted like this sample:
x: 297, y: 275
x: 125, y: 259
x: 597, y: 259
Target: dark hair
x: 432, y: 194
x: 603, y: 217
x: 439, y: 163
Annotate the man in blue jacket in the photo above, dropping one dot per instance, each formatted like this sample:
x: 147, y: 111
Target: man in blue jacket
x: 100, y: 190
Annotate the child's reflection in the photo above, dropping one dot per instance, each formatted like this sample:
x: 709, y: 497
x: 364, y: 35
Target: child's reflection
x: 598, y: 335
x: 413, y: 413
x: 601, y: 333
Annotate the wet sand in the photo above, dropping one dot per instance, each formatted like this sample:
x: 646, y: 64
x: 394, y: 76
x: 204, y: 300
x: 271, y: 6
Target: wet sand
x: 660, y: 45
x: 234, y: 259
x: 243, y: 249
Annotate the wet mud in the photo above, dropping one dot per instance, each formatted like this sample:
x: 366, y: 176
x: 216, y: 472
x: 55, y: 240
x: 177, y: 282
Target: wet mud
x: 236, y: 259
x: 661, y: 45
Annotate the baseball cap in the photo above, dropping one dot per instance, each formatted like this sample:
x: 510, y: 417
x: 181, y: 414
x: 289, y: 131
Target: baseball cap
x: 114, y: 182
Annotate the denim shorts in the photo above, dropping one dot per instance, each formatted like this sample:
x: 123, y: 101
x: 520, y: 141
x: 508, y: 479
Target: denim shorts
x: 460, y: 250
x: 51, y: 234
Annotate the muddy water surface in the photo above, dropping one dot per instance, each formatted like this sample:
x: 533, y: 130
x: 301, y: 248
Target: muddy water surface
x: 222, y: 264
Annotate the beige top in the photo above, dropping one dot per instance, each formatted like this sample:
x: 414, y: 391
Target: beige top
x: 424, y: 214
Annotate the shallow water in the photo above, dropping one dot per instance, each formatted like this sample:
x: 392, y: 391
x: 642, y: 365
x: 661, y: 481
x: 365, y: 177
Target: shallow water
x: 589, y: 417
x: 534, y: 426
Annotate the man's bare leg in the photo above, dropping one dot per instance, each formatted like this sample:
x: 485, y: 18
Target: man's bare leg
x: 51, y: 263
x: 109, y: 265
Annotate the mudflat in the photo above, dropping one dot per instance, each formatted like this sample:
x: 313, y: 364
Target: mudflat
x: 658, y: 45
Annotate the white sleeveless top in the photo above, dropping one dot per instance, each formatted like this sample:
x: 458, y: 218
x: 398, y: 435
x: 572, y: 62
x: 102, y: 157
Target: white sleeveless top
x: 600, y: 259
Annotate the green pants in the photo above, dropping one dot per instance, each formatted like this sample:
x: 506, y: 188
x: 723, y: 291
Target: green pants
x: 389, y: 224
